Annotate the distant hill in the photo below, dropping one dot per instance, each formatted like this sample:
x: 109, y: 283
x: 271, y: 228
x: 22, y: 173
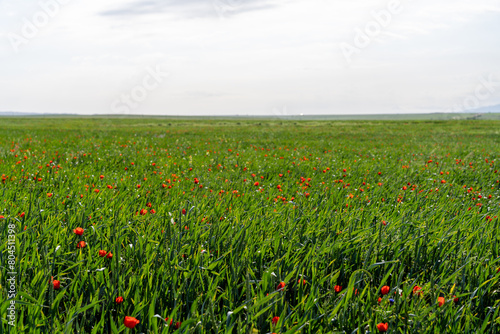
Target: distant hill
x: 483, y: 113
x: 15, y: 113
x: 488, y: 109
x: 24, y: 114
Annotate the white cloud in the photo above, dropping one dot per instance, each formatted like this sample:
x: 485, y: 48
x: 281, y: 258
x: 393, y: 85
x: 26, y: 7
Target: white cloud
x: 255, y: 57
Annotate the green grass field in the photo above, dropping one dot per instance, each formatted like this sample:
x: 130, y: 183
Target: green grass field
x: 249, y: 226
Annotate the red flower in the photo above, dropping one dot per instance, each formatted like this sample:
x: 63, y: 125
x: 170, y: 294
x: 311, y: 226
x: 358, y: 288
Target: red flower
x: 57, y: 284
x: 21, y: 215
x: 152, y: 211
x: 183, y: 211
x: 78, y: 231
x: 109, y: 256
x: 441, y: 301
x: 303, y: 281
x: 281, y: 286
x: 143, y: 212
x: 383, y: 327
x: 119, y: 300
x: 49, y: 194
x: 455, y: 299
x: 96, y: 191
x: 102, y: 253
x: 385, y: 290
x: 178, y: 324
x: 101, y: 177
x: 130, y: 322
x: 337, y: 288
x: 275, y: 320
x: 417, y: 290
x: 81, y: 244
x: 256, y: 184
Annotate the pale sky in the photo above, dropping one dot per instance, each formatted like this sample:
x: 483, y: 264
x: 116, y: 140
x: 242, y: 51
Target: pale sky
x: 248, y: 57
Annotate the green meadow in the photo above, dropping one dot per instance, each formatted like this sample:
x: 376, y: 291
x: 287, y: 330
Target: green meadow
x: 249, y: 226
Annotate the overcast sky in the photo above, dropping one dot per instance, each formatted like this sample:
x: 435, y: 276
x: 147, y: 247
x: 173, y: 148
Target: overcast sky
x: 255, y: 57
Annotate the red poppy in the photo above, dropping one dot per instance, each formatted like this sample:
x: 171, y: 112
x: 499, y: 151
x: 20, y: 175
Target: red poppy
x: 143, y: 212
x: 183, y: 211
x: 78, y: 231
x: 275, y: 320
x: 337, y: 288
x: 417, y: 290
x: 385, y: 290
x: 455, y: 299
x: 101, y: 177
x: 256, y: 184
x: 152, y: 211
x: 303, y: 281
x: 119, y: 300
x: 102, y: 253
x: 383, y: 327
x: 441, y: 301
x: 21, y: 215
x: 109, y: 256
x: 49, y: 194
x: 130, y: 322
x: 81, y: 244
x: 57, y: 284
x: 281, y: 286
x: 178, y: 324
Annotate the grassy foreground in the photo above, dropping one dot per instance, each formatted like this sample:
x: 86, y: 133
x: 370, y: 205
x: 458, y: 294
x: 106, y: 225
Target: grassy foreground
x: 249, y: 226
